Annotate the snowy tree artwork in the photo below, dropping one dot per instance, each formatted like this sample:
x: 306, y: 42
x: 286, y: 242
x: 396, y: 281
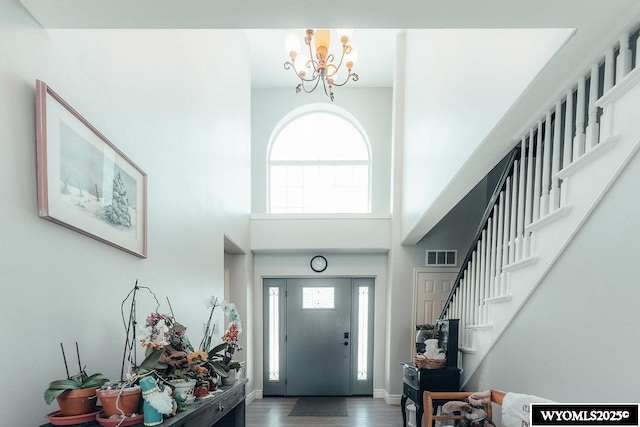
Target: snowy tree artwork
x: 85, y: 182
x: 118, y: 211
x: 94, y: 185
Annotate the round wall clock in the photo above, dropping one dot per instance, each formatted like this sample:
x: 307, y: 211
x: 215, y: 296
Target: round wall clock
x: 318, y: 263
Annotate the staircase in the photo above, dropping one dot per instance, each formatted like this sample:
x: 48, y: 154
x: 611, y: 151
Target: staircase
x: 559, y: 170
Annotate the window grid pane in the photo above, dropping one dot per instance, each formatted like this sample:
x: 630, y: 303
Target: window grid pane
x: 319, y: 164
x: 363, y: 329
x: 274, y: 333
x: 315, y: 298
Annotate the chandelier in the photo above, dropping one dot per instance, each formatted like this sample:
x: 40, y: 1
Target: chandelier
x: 320, y: 65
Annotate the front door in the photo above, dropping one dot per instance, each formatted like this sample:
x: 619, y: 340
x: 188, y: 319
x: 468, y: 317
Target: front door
x: 318, y: 337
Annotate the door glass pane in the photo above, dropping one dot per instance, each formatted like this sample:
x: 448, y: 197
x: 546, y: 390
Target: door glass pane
x: 313, y: 298
x: 363, y: 329
x: 274, y: 336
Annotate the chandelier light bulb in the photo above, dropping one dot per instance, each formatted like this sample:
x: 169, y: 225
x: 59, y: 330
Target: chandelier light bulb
x: 351, y: 58
x: 345, y: 34
x: 322, y: 40
x: 292, y: 44
x: 300, y: 64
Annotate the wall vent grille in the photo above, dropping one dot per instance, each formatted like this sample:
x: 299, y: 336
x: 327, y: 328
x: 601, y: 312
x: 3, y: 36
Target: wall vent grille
x: 442, y: 257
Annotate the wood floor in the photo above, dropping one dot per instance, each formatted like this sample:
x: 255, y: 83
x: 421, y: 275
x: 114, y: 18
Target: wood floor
x: 363, y: 412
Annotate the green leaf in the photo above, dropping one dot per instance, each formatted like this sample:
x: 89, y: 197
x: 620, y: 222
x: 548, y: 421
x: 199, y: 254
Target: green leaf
x: 50, y: 394
x: 217, y: 349
x: 177, y: 327
x: 66, y: 384
x: 235, y: 365
x: 149, y: 363
x: 219, y: 368
x: 95, y: 380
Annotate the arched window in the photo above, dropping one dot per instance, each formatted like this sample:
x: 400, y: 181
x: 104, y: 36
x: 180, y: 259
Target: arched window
x: 319, y: 162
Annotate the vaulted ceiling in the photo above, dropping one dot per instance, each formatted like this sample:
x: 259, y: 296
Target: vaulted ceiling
x: 377, y: 23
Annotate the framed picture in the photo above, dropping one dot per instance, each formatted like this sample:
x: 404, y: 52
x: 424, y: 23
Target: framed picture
x: 85, y: 183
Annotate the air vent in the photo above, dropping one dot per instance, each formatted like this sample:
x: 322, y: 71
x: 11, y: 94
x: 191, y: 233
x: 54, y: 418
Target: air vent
x: 446, y: 257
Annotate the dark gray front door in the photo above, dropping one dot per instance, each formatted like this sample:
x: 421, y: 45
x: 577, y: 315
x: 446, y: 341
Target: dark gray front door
x: 318, y: 342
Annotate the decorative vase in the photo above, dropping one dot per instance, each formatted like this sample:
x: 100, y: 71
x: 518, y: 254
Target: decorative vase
x: 77, y: 402
x: 127, y: 399
x: 230, y: 379
x: 184, y: 388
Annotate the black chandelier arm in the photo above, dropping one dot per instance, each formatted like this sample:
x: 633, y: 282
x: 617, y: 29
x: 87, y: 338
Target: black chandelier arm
x: 328, y: 92
x: 352, y: 76
x: 314, y: 76
x: 302, y: 87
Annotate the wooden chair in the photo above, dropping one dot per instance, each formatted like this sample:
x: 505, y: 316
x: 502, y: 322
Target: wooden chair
x: 441, y: 397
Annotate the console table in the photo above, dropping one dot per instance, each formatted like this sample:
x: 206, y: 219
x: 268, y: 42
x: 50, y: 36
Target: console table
x: 223, y: 409
x: 417, y: 380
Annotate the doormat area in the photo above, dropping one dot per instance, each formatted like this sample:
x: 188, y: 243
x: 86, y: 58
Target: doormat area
x: 320, y: 407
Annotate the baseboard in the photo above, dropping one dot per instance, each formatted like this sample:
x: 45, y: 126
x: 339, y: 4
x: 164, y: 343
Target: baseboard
x: 392, y: 399
x: 378, y: 393
x: 255, y: 394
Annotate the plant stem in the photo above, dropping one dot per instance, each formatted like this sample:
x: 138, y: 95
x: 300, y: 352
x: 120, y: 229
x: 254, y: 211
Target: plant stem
x: 78, y: 353
x: 66, y: 367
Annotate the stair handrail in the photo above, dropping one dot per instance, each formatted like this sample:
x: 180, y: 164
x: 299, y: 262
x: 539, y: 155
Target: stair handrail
x: 508, y: 170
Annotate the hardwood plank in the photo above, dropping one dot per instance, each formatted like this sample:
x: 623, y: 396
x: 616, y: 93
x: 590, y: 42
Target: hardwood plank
x: 363, y: 412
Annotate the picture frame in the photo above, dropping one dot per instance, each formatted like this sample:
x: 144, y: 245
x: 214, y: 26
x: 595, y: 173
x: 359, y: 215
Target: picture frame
x: 85, y: 183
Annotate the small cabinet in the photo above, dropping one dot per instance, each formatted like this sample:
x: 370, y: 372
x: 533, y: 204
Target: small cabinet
x: 417, y: 380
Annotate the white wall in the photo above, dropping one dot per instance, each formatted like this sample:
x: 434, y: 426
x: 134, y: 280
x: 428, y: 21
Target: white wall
x: 339, y: 265
x: 165, y: 99
x: 451, y: 109
x: 371, y: 107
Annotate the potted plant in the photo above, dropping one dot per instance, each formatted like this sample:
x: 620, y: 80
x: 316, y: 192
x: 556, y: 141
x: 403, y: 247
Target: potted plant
x: 122, y: 398
x: 76, y: 394
x: 221, y: 356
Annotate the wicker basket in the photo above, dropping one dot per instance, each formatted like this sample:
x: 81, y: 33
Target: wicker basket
x: 426, y: 363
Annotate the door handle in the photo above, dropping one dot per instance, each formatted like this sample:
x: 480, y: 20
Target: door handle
x: 346, y: 343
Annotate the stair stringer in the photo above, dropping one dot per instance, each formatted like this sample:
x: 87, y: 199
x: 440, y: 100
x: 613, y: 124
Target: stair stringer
x: 584, y: 186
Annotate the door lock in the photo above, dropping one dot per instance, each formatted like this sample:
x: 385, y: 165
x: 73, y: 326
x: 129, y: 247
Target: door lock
x: 346, y: 343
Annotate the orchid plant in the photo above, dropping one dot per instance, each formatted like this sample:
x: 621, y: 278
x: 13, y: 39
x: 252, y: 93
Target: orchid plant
x: 220, y: 358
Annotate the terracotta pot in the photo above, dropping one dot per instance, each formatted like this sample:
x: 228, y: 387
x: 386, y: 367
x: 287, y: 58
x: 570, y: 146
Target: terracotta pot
x: 126, y: 399
x: 77, y: 402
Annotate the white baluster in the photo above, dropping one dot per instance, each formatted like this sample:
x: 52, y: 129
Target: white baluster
x: 568, y: 130
x: 505, y: 241
x: 609, y: 61
x: 555, y: 160
x: 494, y: 252
x: 514, y: 213
x: 537, y: 177
x: 546, y: 167
x: 593, y: 128
x: 482, y: 264
x: 529, y: 192
x: 499, y: 246
x: 520, y: 215
x: 487, y: 272
x: 474, y: 286
x: 623, y: 64
x: 467, y: 298
x: 454, y: 306
x: 580, y: 139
